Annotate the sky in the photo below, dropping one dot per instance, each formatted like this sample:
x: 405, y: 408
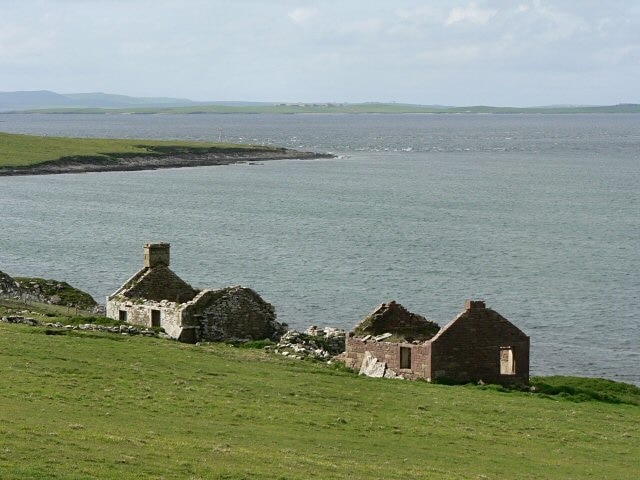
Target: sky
x: 455, y: 52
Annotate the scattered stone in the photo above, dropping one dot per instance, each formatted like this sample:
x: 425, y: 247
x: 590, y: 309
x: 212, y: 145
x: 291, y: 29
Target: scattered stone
x: 9, y: 287
x: 22, y: 320
x: 316, y: 343
x: 379, y: 338
x: 371, y: 367
x: 122, y: 329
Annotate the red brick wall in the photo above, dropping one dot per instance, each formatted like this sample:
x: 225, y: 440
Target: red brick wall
x: 390, y: 353
x: 468, y: 349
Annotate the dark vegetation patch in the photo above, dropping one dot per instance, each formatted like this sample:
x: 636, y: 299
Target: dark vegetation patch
x: 56, y: 292
x: 581, y: 389
x: 573, y: 389
x: 255, y: 344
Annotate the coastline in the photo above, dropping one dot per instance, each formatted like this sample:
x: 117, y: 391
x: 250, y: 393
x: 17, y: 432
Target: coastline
x: 155, y: 162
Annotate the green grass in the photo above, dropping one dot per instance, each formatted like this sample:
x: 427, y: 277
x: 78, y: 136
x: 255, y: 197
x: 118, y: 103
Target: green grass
x: 371, y: 107
x: 89, y: 405
x: 25, y: 150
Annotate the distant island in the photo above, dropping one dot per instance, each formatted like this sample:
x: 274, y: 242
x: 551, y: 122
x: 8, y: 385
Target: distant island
x: 45, y: 101
x: 35, y: 155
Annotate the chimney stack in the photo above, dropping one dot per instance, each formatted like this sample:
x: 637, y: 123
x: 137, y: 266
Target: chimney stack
x: 474, y: 304
x: 156, y: 254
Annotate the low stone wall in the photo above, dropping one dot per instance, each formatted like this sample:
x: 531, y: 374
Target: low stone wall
x: 120, y: 329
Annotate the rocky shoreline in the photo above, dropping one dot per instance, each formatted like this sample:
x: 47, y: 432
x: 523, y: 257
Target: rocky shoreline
x: 154, y: 162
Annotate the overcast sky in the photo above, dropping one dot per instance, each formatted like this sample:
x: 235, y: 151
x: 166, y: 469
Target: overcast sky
x: 510, y: 52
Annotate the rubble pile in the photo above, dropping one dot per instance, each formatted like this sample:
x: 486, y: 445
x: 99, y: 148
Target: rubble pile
x: 314, y: 343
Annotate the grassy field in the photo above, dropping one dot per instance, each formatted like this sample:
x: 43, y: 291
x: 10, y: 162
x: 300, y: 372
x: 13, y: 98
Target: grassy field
x: 87, y: 405
x: 24, y: 150
x: 348, y: 108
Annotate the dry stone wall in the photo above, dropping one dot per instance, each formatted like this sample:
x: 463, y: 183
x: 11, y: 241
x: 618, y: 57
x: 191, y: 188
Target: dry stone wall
x: 232, y: 314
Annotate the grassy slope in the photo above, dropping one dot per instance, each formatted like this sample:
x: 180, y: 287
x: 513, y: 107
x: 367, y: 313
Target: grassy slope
x: 82, y: 406
x: 24, y: 150
x: 47, y: 313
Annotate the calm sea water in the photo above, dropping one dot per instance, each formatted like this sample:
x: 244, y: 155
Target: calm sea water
x: 539, y: 215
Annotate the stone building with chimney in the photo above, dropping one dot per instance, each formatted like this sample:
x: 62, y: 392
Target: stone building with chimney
x: 478, y: 345
x: 156, y: 297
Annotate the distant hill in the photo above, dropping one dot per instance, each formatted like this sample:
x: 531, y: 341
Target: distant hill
x: 31, y: 100
x: 45, y: 101
x: 108, y: 100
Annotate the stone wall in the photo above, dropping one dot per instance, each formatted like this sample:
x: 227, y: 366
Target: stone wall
x: 468, y: 349
x: 121, y: 329
x: 156, y: 254
x: 232, y: 313
x: 228, y: 314
x: 140, y: 313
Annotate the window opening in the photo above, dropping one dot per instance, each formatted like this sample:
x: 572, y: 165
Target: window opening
x: 507, y: 362
x: 405, y: 357
x: 122, y: 316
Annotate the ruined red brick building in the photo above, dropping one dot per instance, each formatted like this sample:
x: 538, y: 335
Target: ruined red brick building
x: 478, y: 345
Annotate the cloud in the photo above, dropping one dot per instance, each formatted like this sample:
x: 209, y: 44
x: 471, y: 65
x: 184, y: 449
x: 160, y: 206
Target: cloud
x: 423, y: 13
x: 470, y: 14
x: 359, y: 49
x: 559, y: 24
x: 303, y: 15
x: 18, y: 42
x: 368, y: 26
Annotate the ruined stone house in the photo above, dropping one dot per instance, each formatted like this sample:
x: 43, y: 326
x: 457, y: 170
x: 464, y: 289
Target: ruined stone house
x: 478, y: 345
x: 156, y: 297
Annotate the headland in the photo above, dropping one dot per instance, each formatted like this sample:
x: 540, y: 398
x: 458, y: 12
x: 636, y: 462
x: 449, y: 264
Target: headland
x: 34, y: 155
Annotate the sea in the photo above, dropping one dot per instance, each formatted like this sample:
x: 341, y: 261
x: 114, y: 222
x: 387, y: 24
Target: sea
x: 537, y: 215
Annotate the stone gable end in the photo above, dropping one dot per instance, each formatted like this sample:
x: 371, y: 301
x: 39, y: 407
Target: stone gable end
x: 160, y: 283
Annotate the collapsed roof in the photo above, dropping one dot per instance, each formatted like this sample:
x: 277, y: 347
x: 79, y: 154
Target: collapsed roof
x: 392, y: 318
